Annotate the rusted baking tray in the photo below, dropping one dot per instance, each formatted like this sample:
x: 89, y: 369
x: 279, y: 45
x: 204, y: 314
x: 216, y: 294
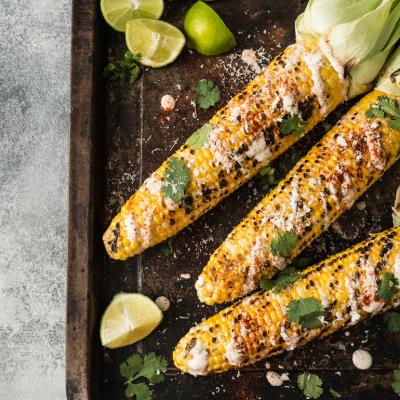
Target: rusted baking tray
x: 119, y: 135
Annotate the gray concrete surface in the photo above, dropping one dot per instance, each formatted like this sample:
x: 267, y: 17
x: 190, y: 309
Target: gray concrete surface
x: 34, y: 123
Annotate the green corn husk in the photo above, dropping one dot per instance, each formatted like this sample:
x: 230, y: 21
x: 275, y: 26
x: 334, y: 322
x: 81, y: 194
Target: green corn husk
x: 360, y: 35
x: 389, y: 82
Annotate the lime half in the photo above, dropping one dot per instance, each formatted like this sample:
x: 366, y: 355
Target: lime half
x: 157, y: 42
x: 129, y: 318
x: 118, y: 12
x: 206, y: 31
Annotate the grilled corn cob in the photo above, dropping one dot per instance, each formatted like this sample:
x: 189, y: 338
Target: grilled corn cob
x: 295, y: 92
x: 323, y: 185
x: 245, y: 136
x: 346, y: 285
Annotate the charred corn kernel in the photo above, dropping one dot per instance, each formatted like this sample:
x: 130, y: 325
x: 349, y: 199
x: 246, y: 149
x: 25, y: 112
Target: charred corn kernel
x: 323, y: 185
x: 243, y: 137
x: 346, y: 285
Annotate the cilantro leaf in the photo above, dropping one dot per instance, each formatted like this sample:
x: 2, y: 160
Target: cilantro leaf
x: 153, y: 366
x: 310, y: 384
x: 335, y: 394
x: 396, y: 382
x: 388, y: 287
x: 208, y: 94
x: 123, y: 69
x: 301, y: 262
x: 140, y: 390
x: 283, y: 243
x: 392, y: 321
x: 386, y: 108
x: 200, y: 137
x: 177, y: 179
x: 282, y: 280
x: 131, y: 366
x: 167, y: 248
x: 305, y: 312
x: 292, y: 125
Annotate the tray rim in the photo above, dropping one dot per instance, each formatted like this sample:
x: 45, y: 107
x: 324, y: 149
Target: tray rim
x: 84, y: 31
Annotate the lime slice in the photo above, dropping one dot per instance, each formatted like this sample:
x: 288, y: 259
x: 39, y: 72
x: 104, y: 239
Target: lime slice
x: 129, y: 318
x: 118, y: 12
x: 206, y: 32
x: 158, y: 42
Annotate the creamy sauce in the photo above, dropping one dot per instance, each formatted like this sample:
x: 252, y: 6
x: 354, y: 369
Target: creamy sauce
x: 292, y: 61
x: 355, y: 316
x: 130, y: 228
x: 199, y: 361
x: 233, y: 354
x: 314, y: 63
x: 374, y: 145
x: 370, y: 288
x: 362, y: 359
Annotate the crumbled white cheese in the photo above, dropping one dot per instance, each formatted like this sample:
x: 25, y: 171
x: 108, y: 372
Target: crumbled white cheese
x: 314, y: 63
x: 362, y: 359
x: 268, y: 365
x: 370, y: 288
x: 154, y: 184
x: 185, y: 276
x: 250, y: 58
x: 374, y: 145
x: 341, y: 141
x: 296, y: 50
x: 163, y: 303
x: 130, y: 228
x: 167, y: 102
x: 259, y: 150
x: 199, y: 361
x: 292, y: 340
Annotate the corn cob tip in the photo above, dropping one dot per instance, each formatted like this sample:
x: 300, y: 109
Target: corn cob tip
x: 113, y: 241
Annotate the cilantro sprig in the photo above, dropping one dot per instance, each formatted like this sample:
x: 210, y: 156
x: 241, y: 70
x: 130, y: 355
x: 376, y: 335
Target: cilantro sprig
x: 177, y: 179
x: 208, y: 93
x: 392, y: 321
x: 282, y: 280
x: 396, y: 381
x: 305, y: 312
x: 167, y: 248
x: 283, y: 244
x: 386, y: 108
x: 200, y: 137
x: 310, y: 384
x: 150, y: 367
x: 388, y: 287
x: 292, y: 125
x: 125, y: 69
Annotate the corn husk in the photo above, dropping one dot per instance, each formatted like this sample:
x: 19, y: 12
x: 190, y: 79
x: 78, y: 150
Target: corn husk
x: 360, y: 34
x: 396, y: 209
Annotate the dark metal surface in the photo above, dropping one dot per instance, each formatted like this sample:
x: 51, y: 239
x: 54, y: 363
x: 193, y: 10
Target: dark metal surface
x: 119, y: 135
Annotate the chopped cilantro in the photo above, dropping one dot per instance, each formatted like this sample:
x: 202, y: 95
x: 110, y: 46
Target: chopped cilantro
x: 310, y: 384
x: 388, y: 287
x: 392, y: 321
x: 282, y: 280
x: 150, y: 367
x: 124, y: 69
x: 335, y: 394
x: 177, y: 179
x: 283, y: 243
x: 208, y: 94
x: 292, y: 125
x: 386, y: 108
x: 167, y: 248
x: 396, y: 382
x: 200, y: 137
x: 305, y: 312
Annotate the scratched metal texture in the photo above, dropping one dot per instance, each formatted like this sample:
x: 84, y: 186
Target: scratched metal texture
x: 119, y: 135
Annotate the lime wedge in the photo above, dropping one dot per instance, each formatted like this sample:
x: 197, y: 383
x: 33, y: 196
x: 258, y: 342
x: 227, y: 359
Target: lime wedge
x: 118, y: 12
x: 157, y: 42
x: 206, y: 32
x: 129, y: 318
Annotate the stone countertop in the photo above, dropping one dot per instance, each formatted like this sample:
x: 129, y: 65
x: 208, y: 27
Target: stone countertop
x: 34, y: 124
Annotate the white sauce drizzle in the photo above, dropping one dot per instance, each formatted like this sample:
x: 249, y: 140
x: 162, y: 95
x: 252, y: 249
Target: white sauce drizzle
x: 233, y: 354
x: 314, y: 63
x: 355, y: 316
x: 130, y: 228
x: 199, y: 361
x: 370, y: 288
